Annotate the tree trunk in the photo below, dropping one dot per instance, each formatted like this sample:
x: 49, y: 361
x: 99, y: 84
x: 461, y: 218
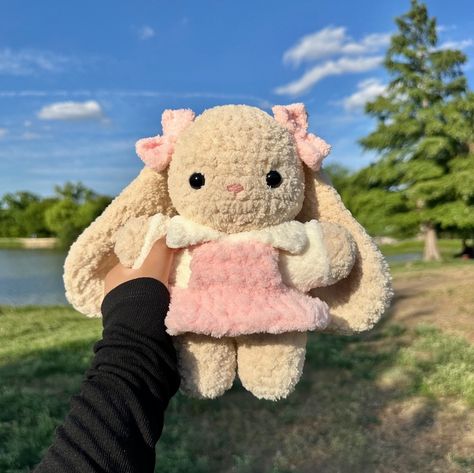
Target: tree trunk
x: 431, y: 252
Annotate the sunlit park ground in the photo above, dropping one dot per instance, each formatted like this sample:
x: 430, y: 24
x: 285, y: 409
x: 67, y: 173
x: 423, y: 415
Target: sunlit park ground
x: 397, y: 399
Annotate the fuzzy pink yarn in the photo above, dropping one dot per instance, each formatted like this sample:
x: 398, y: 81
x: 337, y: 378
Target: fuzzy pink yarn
x: 311, y: 149
x: 236, y: 289
x: 156, y: 152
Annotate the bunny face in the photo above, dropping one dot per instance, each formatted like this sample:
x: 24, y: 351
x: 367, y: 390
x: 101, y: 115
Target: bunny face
x: 236, y: 169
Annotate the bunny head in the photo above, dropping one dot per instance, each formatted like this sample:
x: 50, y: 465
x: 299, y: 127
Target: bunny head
x: 235, y: 168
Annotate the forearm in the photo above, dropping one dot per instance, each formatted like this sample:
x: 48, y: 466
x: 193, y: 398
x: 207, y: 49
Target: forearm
x: 116, y: 420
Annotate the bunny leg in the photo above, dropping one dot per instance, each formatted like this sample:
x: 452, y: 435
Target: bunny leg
x: 269, y: 366
x: 207, y: 365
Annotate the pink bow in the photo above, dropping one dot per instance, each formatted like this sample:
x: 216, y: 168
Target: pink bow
x: 311, y: 149
x: 156, y: 152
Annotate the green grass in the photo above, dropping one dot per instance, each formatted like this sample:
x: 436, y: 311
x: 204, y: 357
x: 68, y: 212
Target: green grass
x: 334, y: 422
x: 44, y: 353
x: 447, y: 247
x: 439, y: 365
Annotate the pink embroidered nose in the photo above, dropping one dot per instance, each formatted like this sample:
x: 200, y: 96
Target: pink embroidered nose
x: 235, y: 188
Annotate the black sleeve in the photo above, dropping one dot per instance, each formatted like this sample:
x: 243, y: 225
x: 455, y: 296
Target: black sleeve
x: 117, y: 418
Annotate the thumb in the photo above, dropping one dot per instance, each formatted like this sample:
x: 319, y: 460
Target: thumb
x: 158, y: 261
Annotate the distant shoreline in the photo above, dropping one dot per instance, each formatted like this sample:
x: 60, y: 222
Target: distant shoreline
x: 28, y: 243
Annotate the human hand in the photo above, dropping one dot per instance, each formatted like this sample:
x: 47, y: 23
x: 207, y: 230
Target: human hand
x: 156, y: 265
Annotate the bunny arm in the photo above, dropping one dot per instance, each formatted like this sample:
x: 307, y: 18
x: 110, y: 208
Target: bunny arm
x: 327, y: 258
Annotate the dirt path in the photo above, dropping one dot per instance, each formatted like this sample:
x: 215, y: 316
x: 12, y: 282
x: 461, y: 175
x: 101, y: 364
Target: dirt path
x: 444, y: 298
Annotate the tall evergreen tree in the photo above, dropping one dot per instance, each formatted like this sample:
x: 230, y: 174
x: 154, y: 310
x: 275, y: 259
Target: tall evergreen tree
x: 425, y: 134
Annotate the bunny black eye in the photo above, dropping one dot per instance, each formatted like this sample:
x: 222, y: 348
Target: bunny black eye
x: 196, y: 180
x: 273, y: 179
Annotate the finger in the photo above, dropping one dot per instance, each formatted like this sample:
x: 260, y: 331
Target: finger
x: 159, y: 252
x: 159, y: 261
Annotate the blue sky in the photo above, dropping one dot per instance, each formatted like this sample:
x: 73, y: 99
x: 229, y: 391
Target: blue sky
x: 80, y: 82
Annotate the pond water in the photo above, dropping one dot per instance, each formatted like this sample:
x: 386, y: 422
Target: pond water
x: 31, y: 277
x: 35, y: 276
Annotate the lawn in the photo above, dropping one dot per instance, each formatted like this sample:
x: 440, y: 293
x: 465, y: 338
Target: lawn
x: 447, y: 247
x: 398, y: 399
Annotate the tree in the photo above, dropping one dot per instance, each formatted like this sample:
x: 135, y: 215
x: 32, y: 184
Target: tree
x: 23, y: 214
x: 76, y: 192
x: 61, y: 215
x: 376, y: 209
x: 424, y: 131
x: 90, y: 210
x: 78, y: 207
x: 13, y: 209
x: 34, y: 220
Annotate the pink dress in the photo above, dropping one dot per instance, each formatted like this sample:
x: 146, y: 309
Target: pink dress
x: 236, y: 289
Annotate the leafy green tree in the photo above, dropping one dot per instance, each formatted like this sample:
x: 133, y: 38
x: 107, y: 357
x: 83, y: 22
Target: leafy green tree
x: 424, y: 131
x: 76, y: 192
x: 61, y: 215
x: 74, y: 212
x: 34, y: 220
x: 23, y: 214
x: 13, y: 207
x: 90, y: 210
x: 376, y: 209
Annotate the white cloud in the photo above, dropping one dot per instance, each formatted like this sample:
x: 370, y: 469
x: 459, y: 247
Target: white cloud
x: 367, y: 90
x: 3, y: 132
x: 66, y: 111
x: 24, y: 62
x: 146, y: 32
x: 462, y: 44
x: 332, y: 41
x: 329, y: 68
x: 313, y: 46
x: 343, y: 54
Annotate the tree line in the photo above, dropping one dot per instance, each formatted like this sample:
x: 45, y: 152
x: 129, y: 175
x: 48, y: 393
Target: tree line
x: 64, y: 215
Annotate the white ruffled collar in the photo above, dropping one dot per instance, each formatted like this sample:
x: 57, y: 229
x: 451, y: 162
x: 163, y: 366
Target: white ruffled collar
x: 288, y: 236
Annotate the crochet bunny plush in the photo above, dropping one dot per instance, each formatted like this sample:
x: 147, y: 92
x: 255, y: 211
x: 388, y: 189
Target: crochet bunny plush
x: 266, y: 250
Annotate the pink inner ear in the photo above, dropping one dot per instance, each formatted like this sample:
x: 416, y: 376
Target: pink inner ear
x: 311, y: 149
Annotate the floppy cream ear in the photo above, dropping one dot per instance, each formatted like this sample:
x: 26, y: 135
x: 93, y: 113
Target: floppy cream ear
x: 156, y: 152
x: 311, y: 149
x: 92, y: 255
x: 358, y: 301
